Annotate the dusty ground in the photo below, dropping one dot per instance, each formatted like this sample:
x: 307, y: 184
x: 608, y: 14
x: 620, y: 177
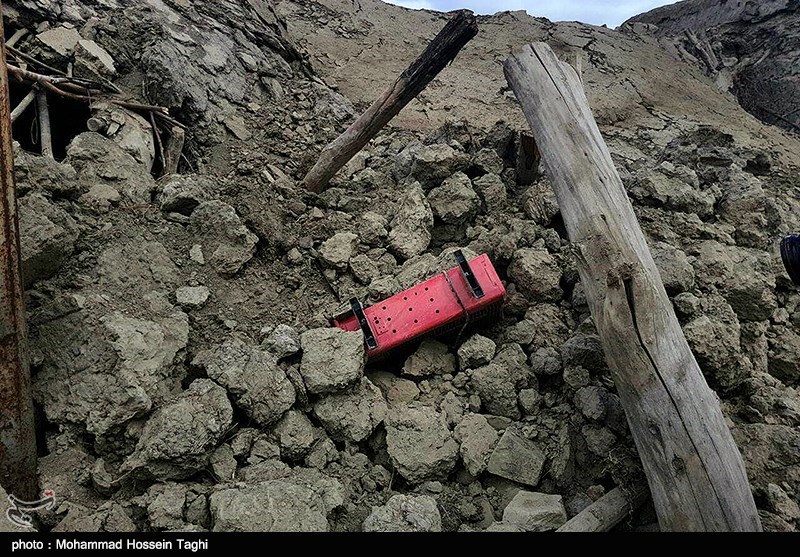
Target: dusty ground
x: 184, y: 371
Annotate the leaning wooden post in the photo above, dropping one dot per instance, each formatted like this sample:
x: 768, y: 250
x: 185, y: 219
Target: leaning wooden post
x: 440, y: 52
x: 694, y: 469
x: 17, y: 434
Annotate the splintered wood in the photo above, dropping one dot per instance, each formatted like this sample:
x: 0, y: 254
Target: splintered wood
x: 695, y: 471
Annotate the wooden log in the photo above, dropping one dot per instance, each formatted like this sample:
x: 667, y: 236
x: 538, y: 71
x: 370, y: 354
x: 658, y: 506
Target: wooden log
x: 45, y: 133
x: 23, y: 105
x: 694, y: 469
x: 17, y: 430
x: 608, y: 511
x: 440, y: 52
x: 173, y: 150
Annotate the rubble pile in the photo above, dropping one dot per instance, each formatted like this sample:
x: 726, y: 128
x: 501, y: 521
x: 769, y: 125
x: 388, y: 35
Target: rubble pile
x: 184, y: 366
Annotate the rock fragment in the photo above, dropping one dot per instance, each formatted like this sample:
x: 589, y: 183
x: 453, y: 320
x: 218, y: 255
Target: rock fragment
x: 405, y: 513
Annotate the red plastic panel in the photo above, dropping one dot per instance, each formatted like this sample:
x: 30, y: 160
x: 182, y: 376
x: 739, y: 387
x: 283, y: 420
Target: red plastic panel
x: 429, y: 306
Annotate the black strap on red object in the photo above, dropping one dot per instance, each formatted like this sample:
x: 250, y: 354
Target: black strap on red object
x: 469, y: 276
x: 363, y: 322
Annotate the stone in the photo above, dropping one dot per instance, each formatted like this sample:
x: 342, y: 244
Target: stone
x: 283, y: 341
x: 352, y: 415
x: 419, y: 443
x: 223, y: 464
x: 405, y: 513
x: 372, y: 229
x: 454, y: 202
x: 716, y: 345
x: 184, y: 192
x: 101, y: 160
x: 395, y: 389
x: 576, y: 377
x: 101, y: 371
x: 540, y: 204
x: 783, y: 356
x: 476, y: 351
x: 332, y: 360
x: 536, y: 274
x: 599, y: 440
x: 272, y: 506
x: 295, y: 435
x: 131, y: 132
x: 179, y: 437
x: 337, y: 250
x: 687, y: 304
x: 222, y: 234
x: 47, y: 237
x: 364, y: 269
x: 95, y: 58
x: 517, y: 459
x: 431, y: 164
x: 62, y: 40
x: 546, y: 361
x: 252, y: 377
x: 676, y: 271
x: 583, y: 350
x: 529, y: 401
x: 431, y: 358
x: 192, y: 297
x: 477, y: 442
x: 109, y: 517
x: 100, y: 198
x: 165, y: 508
x: 412, y: 224
x: 492, y: 191
x: 591, y: 401
x: 487, y: 161
x: 535, y: 512
x: 196, y: 254
x: 781, y: 504
x: 497, y: 382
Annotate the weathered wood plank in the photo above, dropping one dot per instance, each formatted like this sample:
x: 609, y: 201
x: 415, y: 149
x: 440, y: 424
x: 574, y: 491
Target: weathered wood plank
x: 694, y: 469
x: 440, y: 52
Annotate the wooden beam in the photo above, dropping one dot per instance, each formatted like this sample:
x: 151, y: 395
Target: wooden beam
x: 440, y: 52
x: 45, y: 133
x: 23, y: 105
x: 17, y: 433
x: 608, y: 511
x: 695, y: 471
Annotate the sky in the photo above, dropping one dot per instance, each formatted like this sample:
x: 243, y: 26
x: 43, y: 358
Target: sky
x: 597, y: 12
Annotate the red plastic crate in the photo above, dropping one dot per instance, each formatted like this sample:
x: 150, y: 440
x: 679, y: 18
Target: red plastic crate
x: 437, y: 306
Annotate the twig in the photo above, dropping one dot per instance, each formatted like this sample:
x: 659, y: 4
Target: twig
x: 49, y: 83
x: 24, y: 104
x: 27, y: 57
x: 16, y: 37
x: 45, y: 135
